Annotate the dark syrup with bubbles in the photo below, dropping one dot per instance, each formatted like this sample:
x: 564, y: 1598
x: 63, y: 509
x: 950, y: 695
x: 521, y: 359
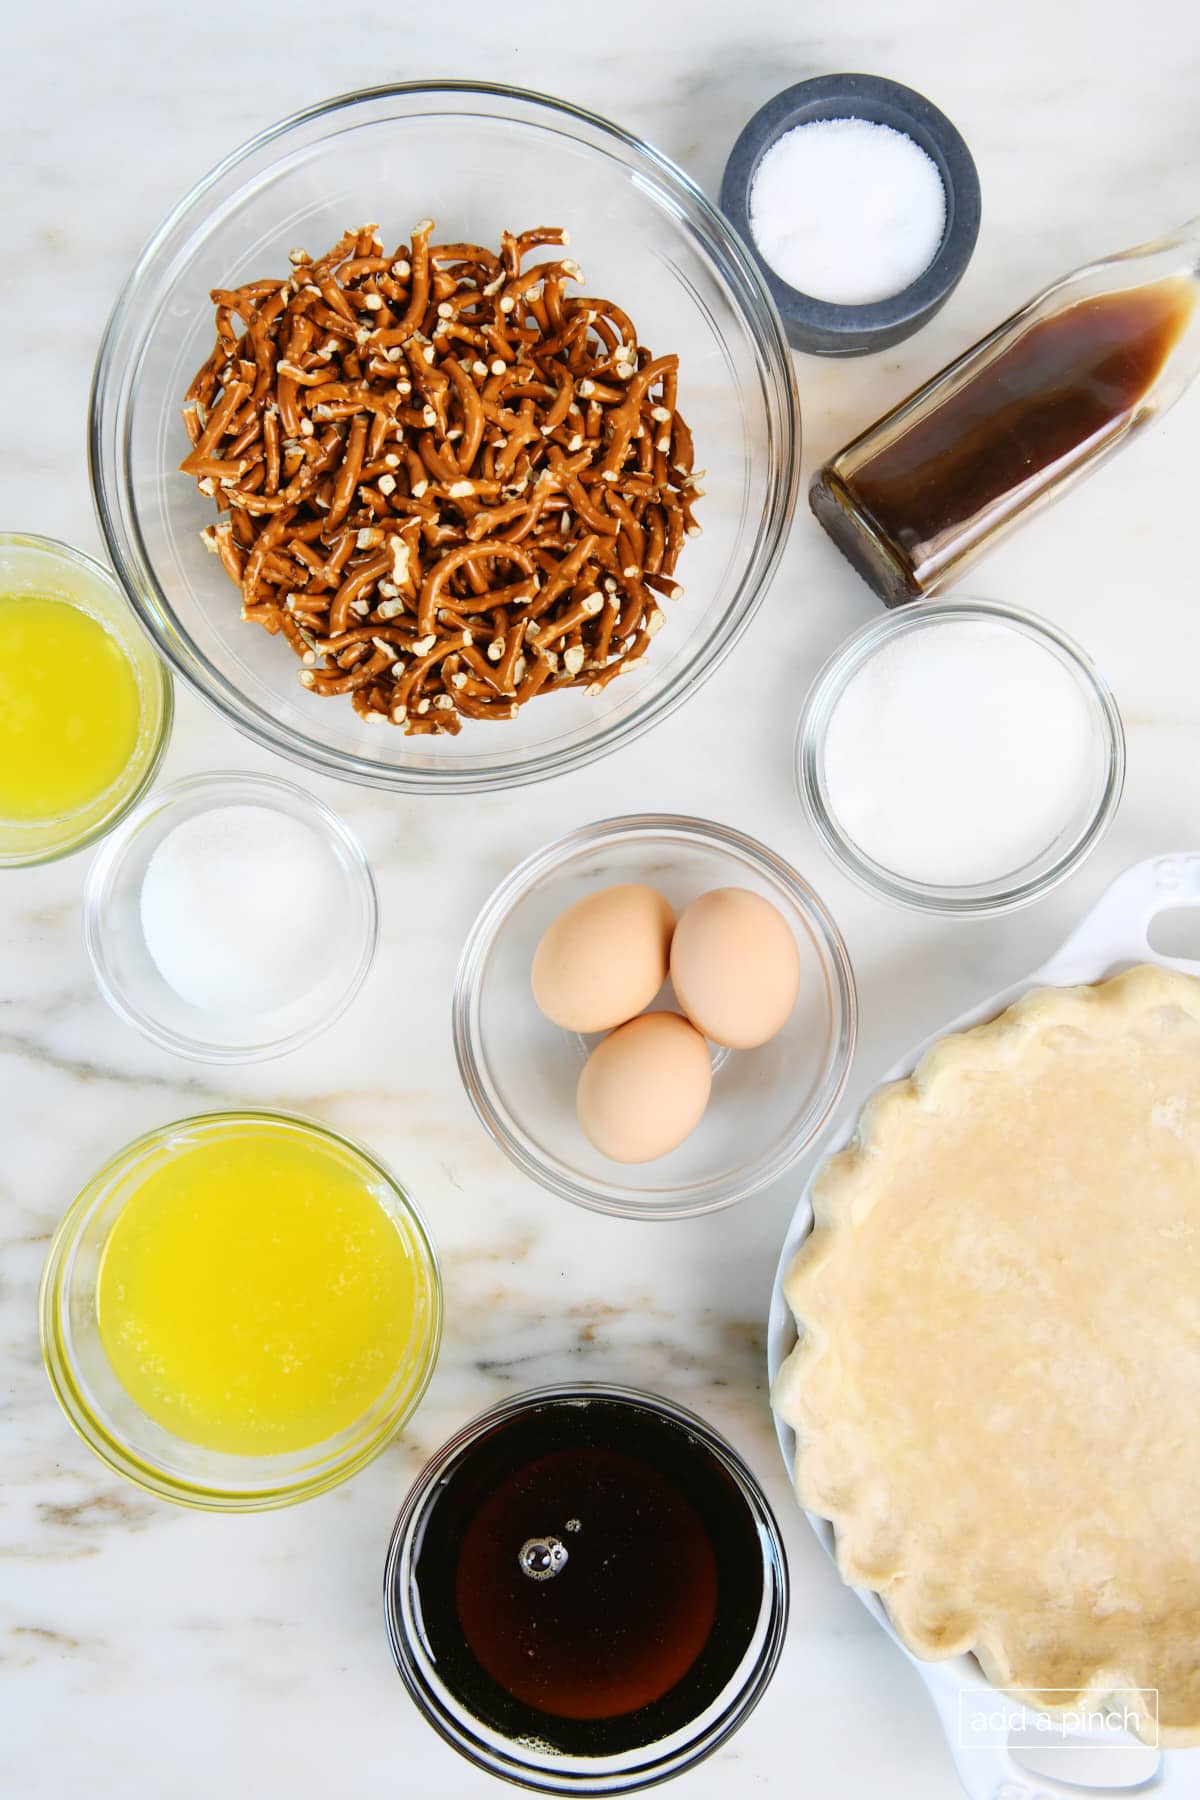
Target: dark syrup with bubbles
x: 589, y: 1576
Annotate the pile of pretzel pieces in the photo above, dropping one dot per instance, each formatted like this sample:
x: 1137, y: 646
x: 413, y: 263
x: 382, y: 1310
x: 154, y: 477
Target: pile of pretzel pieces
x: 448, y: 483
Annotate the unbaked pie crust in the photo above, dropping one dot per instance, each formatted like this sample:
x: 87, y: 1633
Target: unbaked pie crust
x: 996, y: 1391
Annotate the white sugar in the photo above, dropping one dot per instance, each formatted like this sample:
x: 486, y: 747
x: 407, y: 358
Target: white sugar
x: 847, y: 211
x: 958, y: 753
x: 238, y: 907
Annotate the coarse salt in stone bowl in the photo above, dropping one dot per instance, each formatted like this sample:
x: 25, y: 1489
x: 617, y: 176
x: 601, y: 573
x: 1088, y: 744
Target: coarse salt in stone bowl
x: 824, y: 326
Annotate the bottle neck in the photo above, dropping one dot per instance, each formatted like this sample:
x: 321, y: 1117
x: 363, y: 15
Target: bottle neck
x: 1180, y: 247
x: 1186, y: 239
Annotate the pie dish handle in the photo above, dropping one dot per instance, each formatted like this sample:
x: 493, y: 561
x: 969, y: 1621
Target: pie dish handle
x: 990, y: 1771
x: 1117, y: 928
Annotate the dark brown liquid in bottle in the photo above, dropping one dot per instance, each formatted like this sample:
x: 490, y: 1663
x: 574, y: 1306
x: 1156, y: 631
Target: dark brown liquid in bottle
x: 589, y: 1576
x: 970, y: 459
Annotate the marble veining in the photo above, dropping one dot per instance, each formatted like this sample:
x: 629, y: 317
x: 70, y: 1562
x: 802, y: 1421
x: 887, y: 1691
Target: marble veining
x: 144, y: 1649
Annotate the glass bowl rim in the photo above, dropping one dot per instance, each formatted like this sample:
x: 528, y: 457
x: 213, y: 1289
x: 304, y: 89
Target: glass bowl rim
x: 981, y: 899
x: 106, y: 864
x: 56, y: 549
x: 707, y: 1196
x: 141, y: 1470
x: 120, y: 528
x: 776, y: 1589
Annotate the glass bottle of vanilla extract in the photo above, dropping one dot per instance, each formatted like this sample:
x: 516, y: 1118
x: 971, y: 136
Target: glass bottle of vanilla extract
x: 1016, y: 419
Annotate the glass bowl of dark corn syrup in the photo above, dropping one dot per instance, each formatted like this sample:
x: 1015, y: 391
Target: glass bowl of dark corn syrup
x: 586, y: 1590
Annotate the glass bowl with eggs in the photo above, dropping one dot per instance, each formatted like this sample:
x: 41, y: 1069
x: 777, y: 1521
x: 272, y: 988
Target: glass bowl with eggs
x: 387, y: 436
x: 654, y: 1016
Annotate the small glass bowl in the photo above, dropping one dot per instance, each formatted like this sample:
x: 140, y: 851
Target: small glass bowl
x: 520, y: 1071
x: 116, y: 1428
x: 1078, y: 836
x: 40, y: 566
x: 127, y: 974
x: 527, y: 1761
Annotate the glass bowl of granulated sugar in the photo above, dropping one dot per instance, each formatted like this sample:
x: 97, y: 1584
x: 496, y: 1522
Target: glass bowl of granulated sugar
x: 231, y: 917
x: 960, y: 756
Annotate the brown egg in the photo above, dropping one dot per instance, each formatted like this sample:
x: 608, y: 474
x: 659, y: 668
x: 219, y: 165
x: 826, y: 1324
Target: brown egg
x: 644, y: 1088
x: 735, y: 967
x: 604, y: 959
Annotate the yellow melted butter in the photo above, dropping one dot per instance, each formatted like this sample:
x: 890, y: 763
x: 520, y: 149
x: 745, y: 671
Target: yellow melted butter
x: 254, y: 1297
x: 70, y: 709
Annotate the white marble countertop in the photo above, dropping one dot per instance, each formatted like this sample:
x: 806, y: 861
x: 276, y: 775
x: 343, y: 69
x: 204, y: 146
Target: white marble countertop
x: 144, y: 1649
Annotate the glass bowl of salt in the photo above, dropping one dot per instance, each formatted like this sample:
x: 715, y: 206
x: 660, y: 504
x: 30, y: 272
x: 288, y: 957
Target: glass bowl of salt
x: 960, y: 756
x: 231, y: 918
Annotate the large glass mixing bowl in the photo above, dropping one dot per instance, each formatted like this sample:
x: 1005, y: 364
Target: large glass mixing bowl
x: 477, y: 158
